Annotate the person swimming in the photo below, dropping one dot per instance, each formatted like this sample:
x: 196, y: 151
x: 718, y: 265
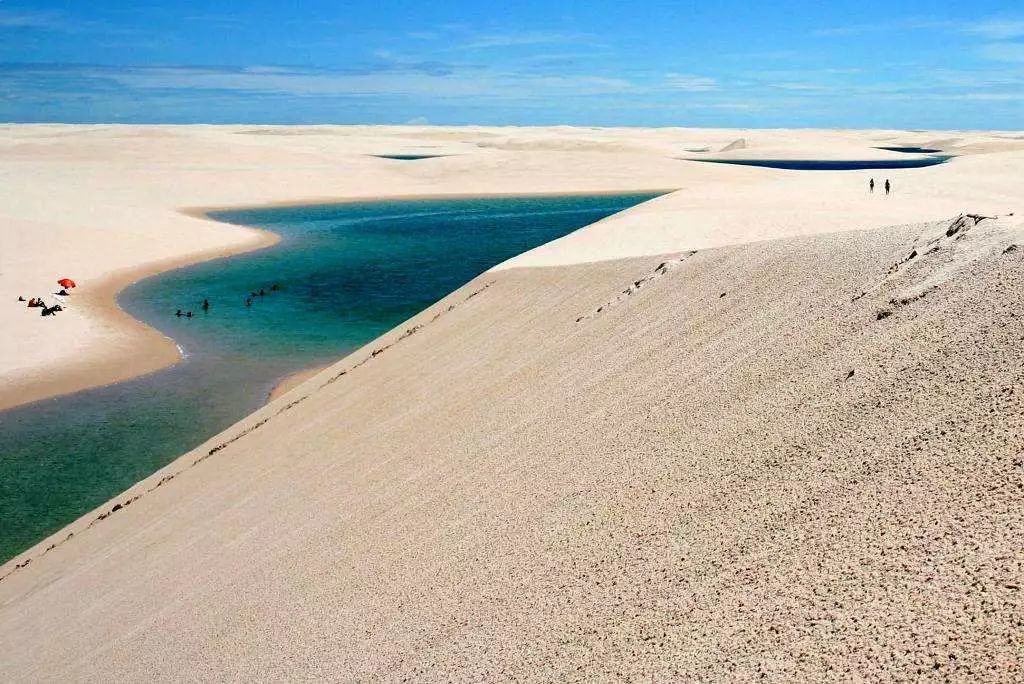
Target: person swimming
x: 206, y: 305
x: 188, y: 315
x: 248, y: 301
x: 178, y: 313
x: 275, y: 287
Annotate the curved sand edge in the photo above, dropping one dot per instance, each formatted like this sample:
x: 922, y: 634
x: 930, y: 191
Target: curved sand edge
x: 144, y: 349
x: 140, y: 348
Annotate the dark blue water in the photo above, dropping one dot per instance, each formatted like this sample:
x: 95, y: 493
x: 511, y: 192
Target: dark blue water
x: 834, y: 165
x: 911, y: 150
x: 346, y: 274
x: 409, y: 157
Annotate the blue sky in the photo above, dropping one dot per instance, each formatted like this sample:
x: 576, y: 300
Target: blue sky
x: 787, y: 63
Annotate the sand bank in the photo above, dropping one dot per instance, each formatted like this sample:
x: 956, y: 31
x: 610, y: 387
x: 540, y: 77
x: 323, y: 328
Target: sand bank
x: 102, y: 204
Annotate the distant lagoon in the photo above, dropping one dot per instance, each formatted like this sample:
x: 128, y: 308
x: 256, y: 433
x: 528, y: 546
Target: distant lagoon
x: 410, y: 157
x: 834, y: 164
x: 346, y: 274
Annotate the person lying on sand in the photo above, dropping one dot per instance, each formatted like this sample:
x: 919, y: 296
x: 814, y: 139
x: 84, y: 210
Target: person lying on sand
x: 20, y: 298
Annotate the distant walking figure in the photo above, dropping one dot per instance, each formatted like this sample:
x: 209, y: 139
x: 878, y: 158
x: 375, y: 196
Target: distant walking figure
x: 887, y: 186
x: 871, y: 185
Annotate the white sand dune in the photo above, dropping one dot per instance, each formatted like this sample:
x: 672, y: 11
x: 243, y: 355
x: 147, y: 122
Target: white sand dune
x: 740, y: 430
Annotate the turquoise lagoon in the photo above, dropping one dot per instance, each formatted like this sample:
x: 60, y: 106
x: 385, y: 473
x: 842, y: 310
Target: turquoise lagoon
x: 346, y: 272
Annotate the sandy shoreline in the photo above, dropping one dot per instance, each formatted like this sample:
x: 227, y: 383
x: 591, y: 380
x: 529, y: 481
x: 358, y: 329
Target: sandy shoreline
x: 204, y: 212
x: 149, y: 350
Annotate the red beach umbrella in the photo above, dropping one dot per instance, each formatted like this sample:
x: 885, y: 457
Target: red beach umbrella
x: 66, y: 282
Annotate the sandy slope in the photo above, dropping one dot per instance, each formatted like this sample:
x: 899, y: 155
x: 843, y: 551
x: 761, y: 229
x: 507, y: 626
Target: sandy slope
x: 737, y: 468
x: 101, y: 204
x: 798, y: 457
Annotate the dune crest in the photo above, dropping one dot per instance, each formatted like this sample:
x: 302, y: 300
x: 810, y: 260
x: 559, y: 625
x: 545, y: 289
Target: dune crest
x: 738, y: 144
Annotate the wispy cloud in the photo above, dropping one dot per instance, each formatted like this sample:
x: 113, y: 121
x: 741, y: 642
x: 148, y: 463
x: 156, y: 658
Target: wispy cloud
x: 502, y: 40
x: 57, y: 22
x: 389, y: 80
x: 886, y: 26
x: 35, y: 20
x: 994, y: 97
x: 1003, y: 52
x: 993, y: 28
x: 690, y: 83
x: 997, y: 29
